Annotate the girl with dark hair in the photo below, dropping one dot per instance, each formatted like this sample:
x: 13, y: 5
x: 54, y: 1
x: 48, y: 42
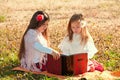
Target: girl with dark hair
x: 34, y: 44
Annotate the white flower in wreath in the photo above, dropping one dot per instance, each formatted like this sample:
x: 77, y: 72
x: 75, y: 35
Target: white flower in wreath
x: 83, y: 24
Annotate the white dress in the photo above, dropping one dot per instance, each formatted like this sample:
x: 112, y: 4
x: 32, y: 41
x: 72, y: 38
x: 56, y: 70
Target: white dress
x: 74, y: 47
x: 35, y: 50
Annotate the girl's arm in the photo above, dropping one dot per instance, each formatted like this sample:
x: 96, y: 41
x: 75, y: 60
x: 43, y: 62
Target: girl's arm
x: 48, y: 50
x: 32, y: 38
x: 43, y: 48
x: 91, y: 48
x: 64, y: 46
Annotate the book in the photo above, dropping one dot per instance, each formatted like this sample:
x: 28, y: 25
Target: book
x: 68, y: 64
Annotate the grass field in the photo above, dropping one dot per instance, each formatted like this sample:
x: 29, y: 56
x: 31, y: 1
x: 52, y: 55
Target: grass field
x: 103, y: 17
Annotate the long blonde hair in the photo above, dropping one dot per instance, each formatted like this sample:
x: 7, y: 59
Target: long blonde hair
x: 84, y: 33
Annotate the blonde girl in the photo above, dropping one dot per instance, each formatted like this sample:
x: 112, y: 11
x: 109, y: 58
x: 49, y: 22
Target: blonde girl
x: 78, y: 39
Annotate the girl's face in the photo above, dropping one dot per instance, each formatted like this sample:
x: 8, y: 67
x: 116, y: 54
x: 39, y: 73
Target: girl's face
x: 43, y: 27
x: 75, y: 26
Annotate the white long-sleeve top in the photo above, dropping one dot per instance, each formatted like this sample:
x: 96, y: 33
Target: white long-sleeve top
x: 74, y: 47
x: 35, y: 49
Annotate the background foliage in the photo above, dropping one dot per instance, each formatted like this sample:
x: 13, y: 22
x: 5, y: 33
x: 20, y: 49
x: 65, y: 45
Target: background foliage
x: 103, y: 19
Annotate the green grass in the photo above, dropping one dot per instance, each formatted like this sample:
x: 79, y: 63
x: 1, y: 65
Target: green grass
x: 2, y: 18
x: 106, y: 40
x: 10, y: 41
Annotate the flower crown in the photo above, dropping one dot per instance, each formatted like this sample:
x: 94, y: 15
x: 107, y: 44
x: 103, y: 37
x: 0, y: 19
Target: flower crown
x: 83, y: 24
x: 39, y: 17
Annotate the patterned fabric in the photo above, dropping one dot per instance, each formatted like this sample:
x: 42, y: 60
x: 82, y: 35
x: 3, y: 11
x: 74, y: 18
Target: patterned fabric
x: 94, y: 65
x: 41, y: 66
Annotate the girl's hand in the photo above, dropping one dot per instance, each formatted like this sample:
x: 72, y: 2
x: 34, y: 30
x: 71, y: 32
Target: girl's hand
x: 55, y: 55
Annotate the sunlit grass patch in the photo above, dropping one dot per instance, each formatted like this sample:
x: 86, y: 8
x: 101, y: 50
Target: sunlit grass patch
x: 112, y: 60
x: 2, y: 18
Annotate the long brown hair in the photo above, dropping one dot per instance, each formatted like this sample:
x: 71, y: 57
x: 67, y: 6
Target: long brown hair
x: 84, y: 32
x: 34, y: 24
